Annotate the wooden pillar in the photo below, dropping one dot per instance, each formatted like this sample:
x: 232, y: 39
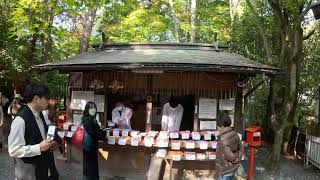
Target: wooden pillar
x: 105, y: 114
x: 238, y: 119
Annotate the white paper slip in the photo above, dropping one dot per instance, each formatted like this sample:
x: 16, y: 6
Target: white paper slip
x: 174, y: 135
x: 185, y: 135
x: 69, y: 134
x: 66, y: 126
x: 135, y: 141
x: 163, y: 143
x: 152, y: 133
x: 134, y: 133
x: 161, y: 153
x: 190, y: 155
x: 175, y: 145
x: 196, y: 136
x: 125, y: 132
x: 122, y: 141
x: 207, y: 136
x: 148, y: 141
x: 212, y: 156
x: 190, y: 144
x: 116, y: 132
x: 203, y: 144
x: 112, y: 140
x: 176, y: 157
x: 201, y: 156
x: 214, y: 144
x: 74, y: 128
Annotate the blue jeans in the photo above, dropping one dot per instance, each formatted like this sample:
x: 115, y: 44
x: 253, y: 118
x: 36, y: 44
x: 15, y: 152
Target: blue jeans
x: 225, y: 177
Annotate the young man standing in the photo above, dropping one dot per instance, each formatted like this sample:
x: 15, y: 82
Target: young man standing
x: 27, y: 142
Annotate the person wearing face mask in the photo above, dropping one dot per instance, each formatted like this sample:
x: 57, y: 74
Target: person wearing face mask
x: 90, y: 154
x: 121, y: 116
x: 171, y: 115
x: 15, y: 106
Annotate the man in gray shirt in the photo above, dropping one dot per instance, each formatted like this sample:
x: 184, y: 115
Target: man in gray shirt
x: 27, y: 142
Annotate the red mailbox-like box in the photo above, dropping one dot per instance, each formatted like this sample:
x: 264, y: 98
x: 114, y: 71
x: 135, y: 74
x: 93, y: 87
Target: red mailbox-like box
x: 254, y: 135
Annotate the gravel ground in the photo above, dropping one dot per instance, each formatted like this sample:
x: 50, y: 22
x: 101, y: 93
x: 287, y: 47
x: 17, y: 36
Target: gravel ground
x: 288, y: 170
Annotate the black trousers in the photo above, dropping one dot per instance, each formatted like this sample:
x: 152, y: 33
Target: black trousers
x: 90, y: 165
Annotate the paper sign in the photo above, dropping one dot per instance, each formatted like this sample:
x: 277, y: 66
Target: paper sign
x: 135, y: 141
x: 75, y: 79
x: 174, y: 135
x: 112, y: 140
x: 79, y: 99
x: 69, y: 134
x: 190, y: 144
x: 214, y: 144
x: 208, y: 125
x: 226, y: 104
x: 99, y: 100
x: 207, y: 108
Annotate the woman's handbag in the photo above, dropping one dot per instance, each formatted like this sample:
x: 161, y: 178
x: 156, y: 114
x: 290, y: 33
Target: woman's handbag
x: 77, y: 137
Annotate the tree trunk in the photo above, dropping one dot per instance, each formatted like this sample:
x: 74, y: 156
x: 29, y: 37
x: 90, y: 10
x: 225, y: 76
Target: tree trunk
x: 276, y: 148
x: 31, y: 46
x: 88, y: 21
x: 193, y: 21
x: 175, y: 21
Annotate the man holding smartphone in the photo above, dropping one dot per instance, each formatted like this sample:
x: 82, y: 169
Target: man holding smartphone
x: 27, y: 142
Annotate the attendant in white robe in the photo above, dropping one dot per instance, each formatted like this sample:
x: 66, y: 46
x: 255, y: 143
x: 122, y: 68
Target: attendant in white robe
x: 171, y: 115
x: 121, y: 116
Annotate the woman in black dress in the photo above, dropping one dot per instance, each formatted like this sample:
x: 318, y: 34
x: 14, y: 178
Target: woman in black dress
x: 90, y: 153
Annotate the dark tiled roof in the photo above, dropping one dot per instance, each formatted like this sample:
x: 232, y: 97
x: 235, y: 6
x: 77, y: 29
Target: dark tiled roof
x: 173, y: 56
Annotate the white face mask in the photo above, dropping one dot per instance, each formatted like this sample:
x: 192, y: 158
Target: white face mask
x: 119, y: 108
x: 92, y: 112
